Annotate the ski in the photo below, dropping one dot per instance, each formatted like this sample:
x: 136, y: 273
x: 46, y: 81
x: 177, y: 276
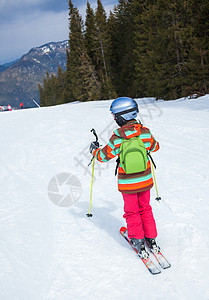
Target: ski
x: 153, y: 269
x: 163, y: 262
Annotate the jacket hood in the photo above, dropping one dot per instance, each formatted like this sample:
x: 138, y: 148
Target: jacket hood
x: 129, y: 130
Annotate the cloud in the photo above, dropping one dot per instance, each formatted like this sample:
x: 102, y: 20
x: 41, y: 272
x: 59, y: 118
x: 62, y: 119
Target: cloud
x: 11, y: 9
x: 30, y: 31
x: 21, y: 4
x: 4, y: 4
x: 31, y: 23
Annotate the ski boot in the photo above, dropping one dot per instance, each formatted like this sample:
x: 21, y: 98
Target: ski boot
x: 151, y: 243
x: 138, y: 244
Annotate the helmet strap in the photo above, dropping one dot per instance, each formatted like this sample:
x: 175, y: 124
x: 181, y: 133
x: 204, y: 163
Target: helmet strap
x: 120, y: 120
x: 139, y: 122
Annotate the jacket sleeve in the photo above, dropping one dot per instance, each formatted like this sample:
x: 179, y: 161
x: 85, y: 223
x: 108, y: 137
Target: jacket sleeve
x: 154, y: 145
x: 106, y: 153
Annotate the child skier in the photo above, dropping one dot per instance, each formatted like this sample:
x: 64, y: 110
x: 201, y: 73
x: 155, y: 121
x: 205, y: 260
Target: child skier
x: 135, y: 188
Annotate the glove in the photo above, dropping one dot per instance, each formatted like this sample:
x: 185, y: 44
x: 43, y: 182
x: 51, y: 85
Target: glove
x: 93, y: 146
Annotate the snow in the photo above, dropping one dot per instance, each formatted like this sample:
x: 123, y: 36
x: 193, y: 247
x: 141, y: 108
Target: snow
x: 45, y: 49
x: 36, y: 60
x: 48, y: 251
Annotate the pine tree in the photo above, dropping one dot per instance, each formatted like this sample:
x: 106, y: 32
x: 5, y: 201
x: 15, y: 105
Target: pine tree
x: 112, y: 55
x: 140, y: 40
x: 81, y: 76
x: 91, y: 85
x: 90, y: 34
x: 162, y: 43
x: 145, y: 48
x: 102, y: 62
x: 47, y: 90
x: 76, y: 47
x: 41, y: 95
x: 60, y: 84
x: 198, y: 63
x: 124, y: 48
x: 101, y: 23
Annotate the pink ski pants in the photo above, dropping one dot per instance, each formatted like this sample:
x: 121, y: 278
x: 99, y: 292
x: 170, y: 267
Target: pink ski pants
x: 139, y: 216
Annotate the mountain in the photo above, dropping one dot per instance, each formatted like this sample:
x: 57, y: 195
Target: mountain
x: 19, y: 81
x: 7, y: 65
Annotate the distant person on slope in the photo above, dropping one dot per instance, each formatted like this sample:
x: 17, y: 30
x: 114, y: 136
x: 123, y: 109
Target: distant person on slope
x: 135, y: 186
x: 21, y: 105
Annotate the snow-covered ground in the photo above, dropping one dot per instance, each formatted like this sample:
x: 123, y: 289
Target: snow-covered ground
x: 52, y: 252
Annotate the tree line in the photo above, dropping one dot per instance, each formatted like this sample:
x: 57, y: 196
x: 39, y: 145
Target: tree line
x: 143, y: 48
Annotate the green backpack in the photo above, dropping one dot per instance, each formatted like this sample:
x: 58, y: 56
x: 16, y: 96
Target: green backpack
x: 133, y: 155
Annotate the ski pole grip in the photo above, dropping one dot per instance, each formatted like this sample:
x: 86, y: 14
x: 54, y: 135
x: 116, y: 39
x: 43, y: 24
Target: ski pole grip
x: 94, y: 132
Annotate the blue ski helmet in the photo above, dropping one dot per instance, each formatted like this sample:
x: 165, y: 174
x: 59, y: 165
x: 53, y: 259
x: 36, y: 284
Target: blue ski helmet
x: 124, y: 109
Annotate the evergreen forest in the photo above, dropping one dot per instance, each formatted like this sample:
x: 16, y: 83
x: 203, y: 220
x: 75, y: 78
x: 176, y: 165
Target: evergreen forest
x: 144, y: 48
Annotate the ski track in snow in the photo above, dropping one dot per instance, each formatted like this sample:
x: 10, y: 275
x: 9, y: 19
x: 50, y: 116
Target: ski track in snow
x: 50, y: 252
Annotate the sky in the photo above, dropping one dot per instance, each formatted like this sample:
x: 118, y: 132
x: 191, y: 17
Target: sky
x: 25, y: 24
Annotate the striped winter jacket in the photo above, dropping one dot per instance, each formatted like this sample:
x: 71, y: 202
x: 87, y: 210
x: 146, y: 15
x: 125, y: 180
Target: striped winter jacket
x: 130, y: 183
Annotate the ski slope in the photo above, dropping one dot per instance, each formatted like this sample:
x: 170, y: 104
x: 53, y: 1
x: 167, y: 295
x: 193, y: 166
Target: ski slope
x: 48, y: 251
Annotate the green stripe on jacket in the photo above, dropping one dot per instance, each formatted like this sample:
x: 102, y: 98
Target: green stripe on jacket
x: 135, y: 180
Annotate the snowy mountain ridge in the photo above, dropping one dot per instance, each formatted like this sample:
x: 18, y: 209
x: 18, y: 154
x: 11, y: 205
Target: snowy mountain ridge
x: 49, y: 48
x: 19, y: 81
x: 48, y: 251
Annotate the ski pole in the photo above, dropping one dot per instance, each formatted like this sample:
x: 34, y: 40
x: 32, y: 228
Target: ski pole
x: 153, y: 172
x: 92, y: 176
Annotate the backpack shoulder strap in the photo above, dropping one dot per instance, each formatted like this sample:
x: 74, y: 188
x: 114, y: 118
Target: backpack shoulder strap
x: 148, y: 153
x: 117, y: 165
